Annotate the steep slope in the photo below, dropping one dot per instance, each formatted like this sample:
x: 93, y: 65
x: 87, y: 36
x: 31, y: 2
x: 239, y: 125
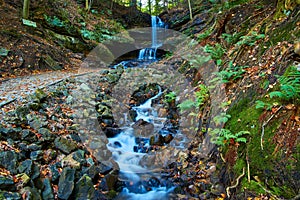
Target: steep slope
x: 255, y: 45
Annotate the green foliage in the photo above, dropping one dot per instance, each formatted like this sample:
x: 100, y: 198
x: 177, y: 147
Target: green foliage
x: 231, y: 39
x: 199, y: 60
x: 263, y: 105
x: 216, y: 52
x: 221, y: 119
x: 232, y: 72
x: 54, y: 21
x: 289, y: 86
x: 204, y: 35
x: 187, y: 104
x: 250, y: 39
x: 171, y: 96
x: 222, y: 136
x: 202, y: 94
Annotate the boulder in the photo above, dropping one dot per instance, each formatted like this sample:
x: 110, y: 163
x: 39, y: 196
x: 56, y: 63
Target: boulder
x: 66, y: 183
x: 65, y: 145
x: 84, y: 188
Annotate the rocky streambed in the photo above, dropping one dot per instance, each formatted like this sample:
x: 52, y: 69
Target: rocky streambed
x: 54, y: 143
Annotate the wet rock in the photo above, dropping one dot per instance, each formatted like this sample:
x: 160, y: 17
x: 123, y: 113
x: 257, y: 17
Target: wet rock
x: 35, y: 171
x: 157, y: 139
x: 31, y: 193
x: 111, y: 132
x: 84, y: 188
x: 153, y: 182
x: 108, y: 182
x: 105, y: 168
x: 54, y: 173
x: 217, y: 189
x: 132, y: 113
x: 36, y: 155
x: 13, y: 133
x: 10, y: 195
x: 9, y: 160
x: 37, y: 122
x: 29, y: 136
x: 46, y: 135
x: 143, y: 128
x: 66, y: 183
x: 168, y: 138
x: 65, y: 145
x: 6, y: 182
x: 84, y: 87
x: 26, y: 167
x: 79, y: 156
x: 47, y: 192
x: 71, y: 162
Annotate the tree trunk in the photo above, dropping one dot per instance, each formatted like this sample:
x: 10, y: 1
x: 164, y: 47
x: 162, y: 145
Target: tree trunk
x: 87, y: 5
x: 150, y: 7
x: 190, y: 8
x: 26, y: 9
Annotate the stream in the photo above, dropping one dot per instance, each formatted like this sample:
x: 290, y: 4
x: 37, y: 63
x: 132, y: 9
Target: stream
x: 128, y: 151
x: 130, y: 148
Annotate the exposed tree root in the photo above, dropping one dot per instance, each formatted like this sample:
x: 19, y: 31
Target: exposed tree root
x: 236, y: 184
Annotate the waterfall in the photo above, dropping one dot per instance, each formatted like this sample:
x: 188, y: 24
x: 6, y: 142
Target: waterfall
x: 150, y: 53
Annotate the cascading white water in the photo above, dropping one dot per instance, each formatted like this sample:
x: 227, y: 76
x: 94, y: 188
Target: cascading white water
x: 150, y: 53
x: 122, y: 147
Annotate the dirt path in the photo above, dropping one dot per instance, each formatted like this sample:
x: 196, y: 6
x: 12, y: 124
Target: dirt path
x: 18, y: 88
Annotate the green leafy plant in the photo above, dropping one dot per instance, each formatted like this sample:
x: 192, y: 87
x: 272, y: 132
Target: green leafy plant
x: 231, y: 39
x: 289, y: 88
x: 216, y: 52
x: 232, y: 72
x: 54, y: 21
x: 250, y: 39
x: 263, y: 105
x: 223, y: 137
x: 202, y: 94
x: 204, y: 35
x: 221, y: 119
x: 171, y: 96
x: 199, y: 60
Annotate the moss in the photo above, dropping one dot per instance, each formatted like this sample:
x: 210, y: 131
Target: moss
x: 252, y: 186
x: 274, y: 173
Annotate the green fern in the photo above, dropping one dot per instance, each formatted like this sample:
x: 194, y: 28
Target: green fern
x: 231, y: 39
x: 171, y: 96
x: 222, y: 137
x: 185, y: 105
x: 221, y: 119
x: 263, y: 105
x: 251, y: 39
x: 289, y: 86
x: 216, y: 52
x: 202, y: 95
